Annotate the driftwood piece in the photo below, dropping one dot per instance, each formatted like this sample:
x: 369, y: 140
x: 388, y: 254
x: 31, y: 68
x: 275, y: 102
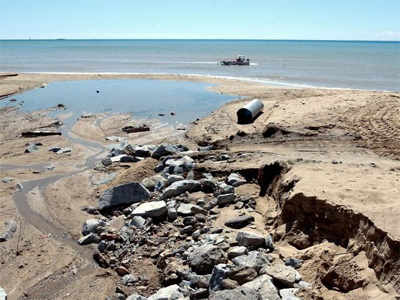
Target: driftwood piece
x: 133, y: 129
x: 36, y: 133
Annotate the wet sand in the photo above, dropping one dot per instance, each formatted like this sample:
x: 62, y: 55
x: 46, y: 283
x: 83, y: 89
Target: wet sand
x: 341, y: 146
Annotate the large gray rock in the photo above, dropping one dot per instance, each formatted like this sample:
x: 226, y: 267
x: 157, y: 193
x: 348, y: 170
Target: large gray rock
x: 203, y: 259
x: 235, y: 180
x: 239, y: 293
x: 187, y: 209
x: 286, y: 276
x: 92, y: 226
x: 253, y: 259
x: 250, y: 239
x: 172, y: 292
x: 151, y: 209
x: 123, y: 195
x: 239, y: 222
x: 264, y: 287
x: 180, y: 187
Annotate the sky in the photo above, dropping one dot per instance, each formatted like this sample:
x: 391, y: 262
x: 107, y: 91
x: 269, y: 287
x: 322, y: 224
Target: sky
x: 201, y: 19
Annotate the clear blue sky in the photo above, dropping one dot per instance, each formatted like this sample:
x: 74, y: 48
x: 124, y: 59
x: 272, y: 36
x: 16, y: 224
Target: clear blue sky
x: 241, y: 19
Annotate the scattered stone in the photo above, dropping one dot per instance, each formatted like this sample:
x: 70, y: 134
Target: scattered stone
x: 204, y: 258
x: 121, y: 271
x: 173, y: 178
x: 289, y: 294
x: 164, y: 150
x: 250, y: 239
x: 64, y: 150
x: 219, y: 273
x: 198, y: 294
x: 117, y: 139
x: 152, y: 209
x: 101, y: 260
x: 154, y: 181
x: 253, y: 259
x: 138, y: 222
x: 284, y: 275
x: 172, y: 292
x: 136, y: 297
x: 186, y: 209
x: 32, y: 147
x: 19, y: 187
x: 237, y: 251
x: 11, y: 228
x: 139, y: 150
x: 228, y: 284
x: 3, y: 294
x: 235, y: 180
x: 264, y: 287
x: 124, y: 158
x: 7, y: 179
x: 225, y: 199
x: 244, y: 275
x: 89, y: 239
x: 179, y: 166
x: 269, y: 243
x: 293, y: 262
x: 239, y: 293
x: 224, y: 188
x: 106, y: 162
x: 90, y: 210
x: 180, y: 187
x: 123, y: 195
x: 92, y: 226
x: 223, y: 157
x: 172, y: 213
x: 239, y: 222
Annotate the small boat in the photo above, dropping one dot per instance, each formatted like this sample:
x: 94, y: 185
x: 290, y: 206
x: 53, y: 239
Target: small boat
x: 240, y: 60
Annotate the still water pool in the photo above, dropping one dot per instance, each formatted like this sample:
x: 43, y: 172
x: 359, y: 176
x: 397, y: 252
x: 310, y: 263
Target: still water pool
x: 142, y: 98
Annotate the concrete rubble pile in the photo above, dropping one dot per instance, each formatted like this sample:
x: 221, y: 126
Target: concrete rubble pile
x: 162, y: 222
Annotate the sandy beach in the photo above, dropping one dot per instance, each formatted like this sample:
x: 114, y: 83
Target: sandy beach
x: 330, y: 171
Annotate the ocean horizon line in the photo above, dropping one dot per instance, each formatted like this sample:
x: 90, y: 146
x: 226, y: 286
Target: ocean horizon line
x: 198, y: 39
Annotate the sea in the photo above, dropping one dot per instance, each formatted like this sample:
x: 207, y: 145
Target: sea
x: 370, y: 65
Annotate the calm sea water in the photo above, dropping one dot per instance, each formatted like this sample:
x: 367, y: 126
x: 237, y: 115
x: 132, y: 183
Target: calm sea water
x: 364, y: 65
x: 143, y: 99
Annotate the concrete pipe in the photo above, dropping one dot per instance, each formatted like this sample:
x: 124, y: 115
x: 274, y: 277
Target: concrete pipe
x: 249, y: 112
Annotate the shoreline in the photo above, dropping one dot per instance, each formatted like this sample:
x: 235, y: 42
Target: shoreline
x: 48, y: 77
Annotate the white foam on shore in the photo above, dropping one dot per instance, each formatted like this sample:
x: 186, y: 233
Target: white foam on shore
x: 208, y: 76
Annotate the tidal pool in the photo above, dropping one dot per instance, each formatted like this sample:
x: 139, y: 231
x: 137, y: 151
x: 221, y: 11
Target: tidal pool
x: 143, y: 98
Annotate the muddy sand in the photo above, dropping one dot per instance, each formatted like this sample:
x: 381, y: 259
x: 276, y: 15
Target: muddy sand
x: 322, y: 165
